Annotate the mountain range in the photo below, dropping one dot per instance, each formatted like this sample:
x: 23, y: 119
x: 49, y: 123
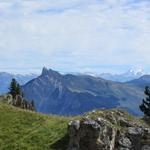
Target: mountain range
x: 71, y: 94
x: 123, y: 77
x: 5, y: 79
x: 75, y: 94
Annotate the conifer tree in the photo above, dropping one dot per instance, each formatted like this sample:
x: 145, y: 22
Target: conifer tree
x: 19, y: 101
x: 17, y: 94
x: 18, y: 90
x: 26, y: 104
x: 13, y: 88
x: 32, y: 105
x: 145, y: 106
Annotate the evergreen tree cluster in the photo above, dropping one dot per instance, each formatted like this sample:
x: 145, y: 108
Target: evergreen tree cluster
x: 18, y: 97
x: 15, y: 89
x: 145, y: 106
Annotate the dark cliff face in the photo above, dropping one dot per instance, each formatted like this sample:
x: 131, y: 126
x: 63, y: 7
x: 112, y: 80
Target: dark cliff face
x: 72, y: 94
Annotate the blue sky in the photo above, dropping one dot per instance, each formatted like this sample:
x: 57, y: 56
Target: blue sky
x: 74, y: 35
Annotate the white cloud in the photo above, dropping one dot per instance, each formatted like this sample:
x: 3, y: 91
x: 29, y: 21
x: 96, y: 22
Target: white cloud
x: 74, y: 34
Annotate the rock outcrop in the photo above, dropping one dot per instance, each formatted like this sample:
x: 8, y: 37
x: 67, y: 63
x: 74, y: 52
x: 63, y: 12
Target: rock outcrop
x: 19, y: 101
x: 103, y: 133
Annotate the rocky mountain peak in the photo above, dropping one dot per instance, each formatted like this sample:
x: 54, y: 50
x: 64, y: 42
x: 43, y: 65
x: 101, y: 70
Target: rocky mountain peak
x: 49, y: 72
x: 45, y: 71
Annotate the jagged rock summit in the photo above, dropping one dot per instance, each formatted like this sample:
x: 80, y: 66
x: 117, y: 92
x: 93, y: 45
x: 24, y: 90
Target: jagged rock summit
x: 49, y: 72
x: 106, y: 130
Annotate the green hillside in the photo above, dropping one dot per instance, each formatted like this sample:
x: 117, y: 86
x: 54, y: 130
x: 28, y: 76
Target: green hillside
x: 26, y: 130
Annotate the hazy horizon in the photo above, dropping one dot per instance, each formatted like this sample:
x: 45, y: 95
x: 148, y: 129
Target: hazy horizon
x: 38, y: 71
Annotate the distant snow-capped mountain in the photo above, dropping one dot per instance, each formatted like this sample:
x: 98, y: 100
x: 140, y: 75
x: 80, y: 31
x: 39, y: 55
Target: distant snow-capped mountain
x: 124, y: 77
x: 5, y: 79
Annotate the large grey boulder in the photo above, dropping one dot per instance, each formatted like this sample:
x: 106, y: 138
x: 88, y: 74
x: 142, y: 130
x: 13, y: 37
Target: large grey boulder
x: 73, y: 130
x: 91, y: 135
x: 104, y: 134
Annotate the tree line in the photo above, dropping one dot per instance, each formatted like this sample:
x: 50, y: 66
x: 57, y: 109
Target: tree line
x: 18, y: 99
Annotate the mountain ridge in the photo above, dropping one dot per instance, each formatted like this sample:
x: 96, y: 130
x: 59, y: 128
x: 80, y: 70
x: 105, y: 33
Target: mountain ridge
x: 124, y: 77
x: 5, y: 79
x: 75, y: 94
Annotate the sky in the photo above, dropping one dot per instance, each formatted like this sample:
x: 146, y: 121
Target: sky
x: 74, y: 35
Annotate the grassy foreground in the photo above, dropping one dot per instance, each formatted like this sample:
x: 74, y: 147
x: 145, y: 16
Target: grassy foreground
x: 26, y: 130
